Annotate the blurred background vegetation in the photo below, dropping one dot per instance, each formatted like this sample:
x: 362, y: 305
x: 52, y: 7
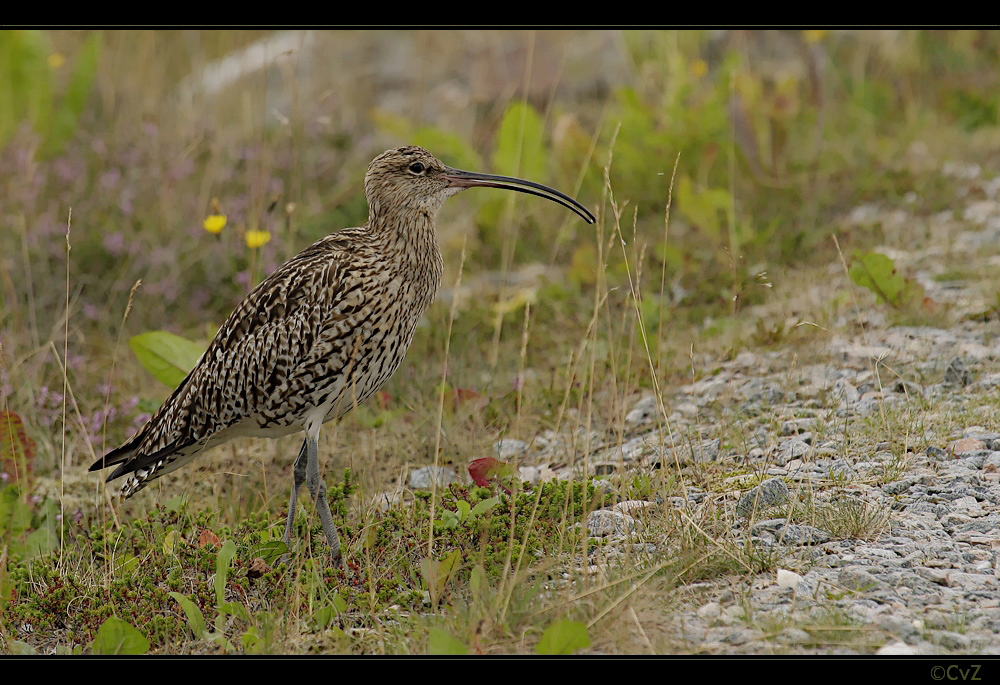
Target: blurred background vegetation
x: 775, y: 135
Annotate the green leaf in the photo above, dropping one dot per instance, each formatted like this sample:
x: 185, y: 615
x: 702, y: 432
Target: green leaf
x: 115, y: 636
x: 234, y: 609
x: 21, y: 648
x: 448, y: 520
x: 271, y: 551
x: 440, y: 642
x: 563, y: 637
x: 222, y: 563
x: 325, y: 615
x: 81, y: 84
x: 252, y: 641
x: 878, y: 273
x: 519, y: 149
x: 176, y: 503
x: 167, y: 356
x: 446, y: 146
x: 703, y: 206
x: 25, y: 81
x: 196, y: 620
x: 519, y: 152
x: 483, y: 507
x: 170, y: 541
x: 463, y: 509
x: 436, y: 574
x: 15, y: 515
x: 41, y: 541
x: 124, y: 565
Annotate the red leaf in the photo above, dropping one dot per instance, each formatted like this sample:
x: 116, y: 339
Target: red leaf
x: 480, y: 470
x: 208, y: 538
x: 17, y: 450
x: 489, y: 470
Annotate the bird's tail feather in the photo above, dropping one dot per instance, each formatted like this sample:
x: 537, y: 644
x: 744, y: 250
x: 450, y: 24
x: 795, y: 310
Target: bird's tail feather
x: 118, y: 455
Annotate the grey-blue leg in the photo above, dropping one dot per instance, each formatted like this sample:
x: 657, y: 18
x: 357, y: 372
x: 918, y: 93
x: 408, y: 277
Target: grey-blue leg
x: 299, y: 474
x: 317, y: 488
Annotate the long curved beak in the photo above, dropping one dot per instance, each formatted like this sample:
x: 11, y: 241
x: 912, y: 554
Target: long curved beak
x: 471, y: 179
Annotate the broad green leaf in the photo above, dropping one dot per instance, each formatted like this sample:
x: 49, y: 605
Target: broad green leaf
x: 222, y: 563
x: 444, y: 145
x: 124, y: 565
x: 25, y: 81
x: 234, y: 609
x: 448, y: 520
x: 176, y: 503
x: 15, y: 515
x: 41, y: 541
x: 196, y: 620
x: 252, y: 641
x: 271, y: 551
x: 170, y: 542
x: 115, y: 636
x: 878, y: 273
x: 519, y: 149
x: 563, y: 637
x: 440, y: 642
x: 21, y: 648
x: 520, y: 153
x: 167, y: 356
x: 463, y: 509
x: 483, y: 507
x: 703, y: 207
x: 66, y: 115
x: 219, y: 636
x: 436, y: 574
x: 325, y: 615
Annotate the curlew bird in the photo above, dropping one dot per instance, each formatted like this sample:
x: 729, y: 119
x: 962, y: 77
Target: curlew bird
x: 319, y: 335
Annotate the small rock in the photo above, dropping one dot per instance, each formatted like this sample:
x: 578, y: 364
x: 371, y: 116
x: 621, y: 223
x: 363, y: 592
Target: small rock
x: 897, y: 648
x: 423, y: 478
x: 856, y: 578
x: 796, y: 426
x: 936, y: 452
x: 950, y: 640
x: 770, y: 493
x: 967, y: 445
x: 710, y: 611
x: 642, y: 411
x: 604, y: 522
x: 957, y: 373
x: 507, y: 448
x: 787, y: 580
x: 632, y: 505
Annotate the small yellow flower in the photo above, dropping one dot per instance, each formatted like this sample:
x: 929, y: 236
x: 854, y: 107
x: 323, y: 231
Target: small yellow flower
x: 814, y: 35
x: 256, y: 239
x: 215, y: 222
x: 699, y: 68
x: 56, y: 60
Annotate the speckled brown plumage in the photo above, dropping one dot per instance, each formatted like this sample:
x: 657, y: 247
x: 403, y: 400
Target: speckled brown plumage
x: 321, y: 334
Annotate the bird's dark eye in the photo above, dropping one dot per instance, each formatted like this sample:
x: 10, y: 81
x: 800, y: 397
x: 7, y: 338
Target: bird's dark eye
x: 417, y: 168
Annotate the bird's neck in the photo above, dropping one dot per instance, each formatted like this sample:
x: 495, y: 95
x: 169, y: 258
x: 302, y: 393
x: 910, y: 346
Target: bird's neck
x: 409, y: 239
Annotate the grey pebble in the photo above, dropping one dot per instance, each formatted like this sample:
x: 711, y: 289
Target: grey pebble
x: 423, y: 478
x: 770, y: 493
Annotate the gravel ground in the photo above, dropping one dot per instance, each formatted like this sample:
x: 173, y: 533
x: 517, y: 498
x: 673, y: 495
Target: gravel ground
x: 892, y: 428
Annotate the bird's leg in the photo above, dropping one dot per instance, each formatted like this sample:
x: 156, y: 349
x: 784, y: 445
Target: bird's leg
x: 317, y: 488
x: 299, y: 475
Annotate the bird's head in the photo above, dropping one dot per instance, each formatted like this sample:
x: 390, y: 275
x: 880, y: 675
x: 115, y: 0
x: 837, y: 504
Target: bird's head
x: 411, y: 179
